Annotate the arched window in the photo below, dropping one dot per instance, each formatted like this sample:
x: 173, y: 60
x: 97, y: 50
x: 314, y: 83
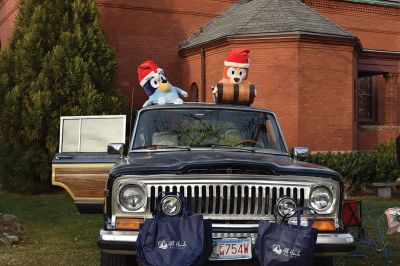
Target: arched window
x: 194, y: 92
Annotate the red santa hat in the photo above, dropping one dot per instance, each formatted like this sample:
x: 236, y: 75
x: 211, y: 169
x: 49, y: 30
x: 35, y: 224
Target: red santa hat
x: 148, y: 70
x: 238, y: 57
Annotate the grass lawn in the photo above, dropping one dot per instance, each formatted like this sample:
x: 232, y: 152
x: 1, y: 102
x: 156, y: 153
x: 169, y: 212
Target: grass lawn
x: 55, y: 234
x: 53, y: 231
x: 373, y: 207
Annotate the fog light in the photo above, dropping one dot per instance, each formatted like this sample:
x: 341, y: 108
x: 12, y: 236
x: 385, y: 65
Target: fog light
x: 286, y: 206
x: 171, y: 205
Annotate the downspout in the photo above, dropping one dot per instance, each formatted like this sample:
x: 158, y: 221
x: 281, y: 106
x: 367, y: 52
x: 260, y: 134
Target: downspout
x: 203, y: 74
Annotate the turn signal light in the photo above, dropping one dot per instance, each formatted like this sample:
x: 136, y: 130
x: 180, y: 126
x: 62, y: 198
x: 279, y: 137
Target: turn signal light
x: 129, y: 223
x: 324, y: 225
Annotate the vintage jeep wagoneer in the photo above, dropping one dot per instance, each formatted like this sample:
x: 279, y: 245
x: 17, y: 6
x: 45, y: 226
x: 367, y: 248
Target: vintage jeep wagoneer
x: 231, y: 163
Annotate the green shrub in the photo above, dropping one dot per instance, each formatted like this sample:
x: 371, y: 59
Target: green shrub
x: 57, y: 63
x: 362, y: 168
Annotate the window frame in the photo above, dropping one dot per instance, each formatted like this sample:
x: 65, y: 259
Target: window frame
x: 80, y: 118
x: 373, y: 118
x: 278, y: 129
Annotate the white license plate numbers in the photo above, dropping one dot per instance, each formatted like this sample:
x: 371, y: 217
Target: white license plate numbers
x: 231, y: 249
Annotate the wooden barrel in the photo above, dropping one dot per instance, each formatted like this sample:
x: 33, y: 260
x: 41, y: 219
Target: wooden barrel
x: 228, y: 93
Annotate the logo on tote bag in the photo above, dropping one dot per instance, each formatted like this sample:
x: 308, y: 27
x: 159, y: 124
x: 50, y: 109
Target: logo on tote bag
x: 171, y: 244
x: 286, y: 251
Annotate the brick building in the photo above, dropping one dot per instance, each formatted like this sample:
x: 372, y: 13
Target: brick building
x: 330, y: 69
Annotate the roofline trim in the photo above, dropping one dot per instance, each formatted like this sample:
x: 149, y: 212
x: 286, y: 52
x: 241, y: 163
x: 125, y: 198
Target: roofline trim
x: 382, y: 54
x: 376, y: 2
x: 288, y: 36
x: 382, y: 51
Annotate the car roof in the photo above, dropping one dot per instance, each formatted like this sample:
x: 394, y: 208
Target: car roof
x: 206, y: 106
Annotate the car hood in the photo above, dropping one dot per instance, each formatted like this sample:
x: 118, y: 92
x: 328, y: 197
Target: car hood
x: 182, y: 161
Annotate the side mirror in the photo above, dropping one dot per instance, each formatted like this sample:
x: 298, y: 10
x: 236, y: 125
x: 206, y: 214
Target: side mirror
x: 398, y: 149
x: 300, y: 153
x: 116, y: 148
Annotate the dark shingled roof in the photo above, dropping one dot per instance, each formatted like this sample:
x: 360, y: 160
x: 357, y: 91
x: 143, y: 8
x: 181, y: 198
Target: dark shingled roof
x: 265, y: 17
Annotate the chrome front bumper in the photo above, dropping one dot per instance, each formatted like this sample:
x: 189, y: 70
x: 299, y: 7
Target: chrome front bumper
x: 124, y: 242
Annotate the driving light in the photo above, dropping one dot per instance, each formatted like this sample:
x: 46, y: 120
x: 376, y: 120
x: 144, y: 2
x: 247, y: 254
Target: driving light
x: 286, y: 206
x: 133, y: 197
x: 171, y: 205
x: 321, y: 199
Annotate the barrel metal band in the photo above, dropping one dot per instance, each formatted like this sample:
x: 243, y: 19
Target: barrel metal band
x: 252, y: 93
x: 235, y: 93
x: 220, y: 88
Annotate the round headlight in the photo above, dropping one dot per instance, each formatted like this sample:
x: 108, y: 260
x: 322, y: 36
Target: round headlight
x: 286, y: 206
x: 171, y: 205
x: 133, y: 197
x: 321, y: 199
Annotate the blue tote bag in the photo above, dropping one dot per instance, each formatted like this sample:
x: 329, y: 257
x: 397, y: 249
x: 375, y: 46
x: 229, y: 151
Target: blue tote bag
x: 174, y: 241
x: 284, y: 244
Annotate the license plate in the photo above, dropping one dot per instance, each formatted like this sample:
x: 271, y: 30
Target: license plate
x: 231, y: 249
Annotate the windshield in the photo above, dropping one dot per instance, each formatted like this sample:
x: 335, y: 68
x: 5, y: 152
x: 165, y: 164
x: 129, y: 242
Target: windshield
x: 200, y: 128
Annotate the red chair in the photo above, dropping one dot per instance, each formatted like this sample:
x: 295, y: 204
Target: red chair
x: 352, y: 217
x: 351, y: 213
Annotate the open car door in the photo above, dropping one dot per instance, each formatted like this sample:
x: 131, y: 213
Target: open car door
x: 82, y: 165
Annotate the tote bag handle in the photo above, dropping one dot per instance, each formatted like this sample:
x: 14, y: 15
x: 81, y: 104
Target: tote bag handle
x: 297, y: 212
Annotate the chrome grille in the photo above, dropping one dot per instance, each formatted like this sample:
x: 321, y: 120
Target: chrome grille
x: 221, y: 200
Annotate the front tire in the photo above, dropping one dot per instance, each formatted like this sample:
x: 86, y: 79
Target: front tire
x: 117, y: 260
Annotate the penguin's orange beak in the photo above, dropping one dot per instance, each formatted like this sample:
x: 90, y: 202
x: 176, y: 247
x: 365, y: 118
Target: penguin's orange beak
x: 164, y: 86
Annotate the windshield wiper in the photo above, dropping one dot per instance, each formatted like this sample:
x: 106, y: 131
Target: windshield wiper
x: 254, y: 149
x: 213, y: 146
x: 157, y: 147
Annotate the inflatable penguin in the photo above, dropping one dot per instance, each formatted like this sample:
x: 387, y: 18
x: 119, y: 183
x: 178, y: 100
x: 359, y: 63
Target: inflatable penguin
x: 156, y: 85
x: 234, y: 88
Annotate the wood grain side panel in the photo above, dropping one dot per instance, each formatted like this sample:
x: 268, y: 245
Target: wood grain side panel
x: 82, y: 182
x: 82, y: 171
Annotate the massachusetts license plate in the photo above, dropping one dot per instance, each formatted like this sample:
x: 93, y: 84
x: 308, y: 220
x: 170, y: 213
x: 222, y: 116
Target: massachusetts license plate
x: 231, y: 249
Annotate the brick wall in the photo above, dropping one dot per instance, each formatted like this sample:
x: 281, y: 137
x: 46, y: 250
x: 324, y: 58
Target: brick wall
x: 141, y: 29
x: 370, y: 136
x: 378, y: 27
x: 309, y: 87
x: 8, y: 12
x: 273, y: 70
x: 326, y: 97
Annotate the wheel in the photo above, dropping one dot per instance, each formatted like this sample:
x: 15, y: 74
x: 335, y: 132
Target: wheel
x: 323, y: 261
x: 117, y: 260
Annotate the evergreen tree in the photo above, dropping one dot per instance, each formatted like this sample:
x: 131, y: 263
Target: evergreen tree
x: 57, y: 63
